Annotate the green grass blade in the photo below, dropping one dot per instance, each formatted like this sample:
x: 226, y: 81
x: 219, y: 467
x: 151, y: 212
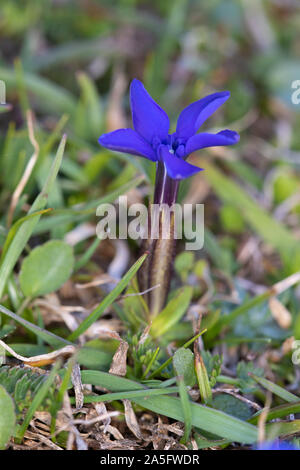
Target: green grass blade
x: 24, y: 232
x: 45, y: 335
x: 208, y: 419
x: 282, y: 429
x: 111, y: 382
x: 16, y: 226
x: 128, y: 395
x: 186, y: 409
x: 276, y: 389
x: 278, y: 412
x: 109, y: 299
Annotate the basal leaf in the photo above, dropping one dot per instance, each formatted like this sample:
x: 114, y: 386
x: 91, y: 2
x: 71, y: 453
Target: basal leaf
x: 46, y: 268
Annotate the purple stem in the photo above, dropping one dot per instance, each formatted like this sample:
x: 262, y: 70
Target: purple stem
x: 166, y: 188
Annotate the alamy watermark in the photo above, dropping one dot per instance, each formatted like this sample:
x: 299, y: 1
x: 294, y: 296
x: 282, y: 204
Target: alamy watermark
x: 177, y: 221
x: 296, y: 353
x: 295, y: 97
x: 2, y: 92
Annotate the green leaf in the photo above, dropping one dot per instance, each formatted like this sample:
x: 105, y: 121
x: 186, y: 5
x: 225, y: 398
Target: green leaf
x: 111, y: 382
x: 183, y: 362
x: 7, y: 417
x: 232, y: 406
x: 203, y: 380
x: 93, y: 358
x: 208, y: 419
x: 127, y: 395
x: 172, y: 313
x: 46, y: 268
x: 204, y: 443
x: 184, y: 263
x: 186, y: 409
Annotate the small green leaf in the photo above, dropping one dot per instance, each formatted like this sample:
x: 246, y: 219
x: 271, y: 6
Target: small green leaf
x: 7, y: 417
x: 232, y: 406
x: 46, y: 268
x: 183, y: 362
x: 203, y: 380
x: 172, y: 313
x: 184, y: 263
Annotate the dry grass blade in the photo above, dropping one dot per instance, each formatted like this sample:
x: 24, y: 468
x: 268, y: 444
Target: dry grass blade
x: 77, y: 384
x: 28, y: 170
x: 263, y: 418
x: 131, y: 420
x: 280, y: 313
x: 43, y: 359
x: 119, y: 361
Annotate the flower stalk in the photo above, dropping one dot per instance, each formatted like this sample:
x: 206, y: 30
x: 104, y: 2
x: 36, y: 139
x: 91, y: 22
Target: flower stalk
x: 161, y: 248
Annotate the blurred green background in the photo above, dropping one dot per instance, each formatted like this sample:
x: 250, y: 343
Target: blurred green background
x: 71, y: 63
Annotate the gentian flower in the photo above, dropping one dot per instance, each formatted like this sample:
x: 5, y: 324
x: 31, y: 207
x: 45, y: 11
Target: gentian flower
x: 276, y: 445
x: 151, y: 139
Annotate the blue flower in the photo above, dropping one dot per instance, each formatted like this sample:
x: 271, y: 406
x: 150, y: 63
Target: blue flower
x: 276, y: 445
x: 151, y: 139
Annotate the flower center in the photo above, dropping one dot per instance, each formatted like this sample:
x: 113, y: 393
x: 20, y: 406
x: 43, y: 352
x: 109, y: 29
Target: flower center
x: 175, y: 146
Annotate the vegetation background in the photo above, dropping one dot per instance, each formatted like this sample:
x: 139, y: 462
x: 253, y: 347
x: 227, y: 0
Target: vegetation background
x: 67, y: 66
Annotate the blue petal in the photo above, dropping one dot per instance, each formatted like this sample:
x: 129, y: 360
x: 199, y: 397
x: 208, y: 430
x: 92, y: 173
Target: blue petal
x: 205, y: 139
x: 194, y: 115
x: 176, y: 168
x: 149, y: 119
x: 127, y: 141
x: 276, y: 445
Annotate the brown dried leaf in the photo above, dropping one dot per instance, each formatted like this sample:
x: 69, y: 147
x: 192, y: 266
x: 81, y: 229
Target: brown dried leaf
x: 118, y: 365
x: 280, y: 313
x: 77, y: 384
x: 131, y: 420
